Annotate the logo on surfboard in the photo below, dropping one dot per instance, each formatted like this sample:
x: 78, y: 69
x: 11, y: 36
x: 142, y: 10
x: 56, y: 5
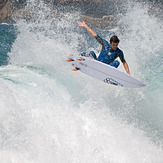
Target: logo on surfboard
x: 112, y: 81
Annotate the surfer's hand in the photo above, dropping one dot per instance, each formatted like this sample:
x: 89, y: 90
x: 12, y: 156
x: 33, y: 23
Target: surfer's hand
x: 82, y: 24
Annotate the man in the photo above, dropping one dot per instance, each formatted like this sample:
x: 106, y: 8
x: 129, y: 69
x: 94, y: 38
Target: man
x: 109, y: 52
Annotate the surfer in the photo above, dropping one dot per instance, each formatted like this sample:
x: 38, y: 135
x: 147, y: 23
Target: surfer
x: 109, y: 52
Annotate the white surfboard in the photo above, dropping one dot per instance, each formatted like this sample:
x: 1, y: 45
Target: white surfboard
x: 104, y: 72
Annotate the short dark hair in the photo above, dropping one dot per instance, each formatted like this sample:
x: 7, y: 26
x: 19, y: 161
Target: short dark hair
x: 114, y: 39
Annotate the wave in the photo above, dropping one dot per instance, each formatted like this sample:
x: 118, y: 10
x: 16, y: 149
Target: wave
x: 49, y: 112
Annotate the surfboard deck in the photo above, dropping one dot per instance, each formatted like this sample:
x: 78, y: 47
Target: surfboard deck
x: 103, y: 72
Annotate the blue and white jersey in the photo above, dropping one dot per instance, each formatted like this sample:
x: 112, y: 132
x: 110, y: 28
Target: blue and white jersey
x: 107, y: 54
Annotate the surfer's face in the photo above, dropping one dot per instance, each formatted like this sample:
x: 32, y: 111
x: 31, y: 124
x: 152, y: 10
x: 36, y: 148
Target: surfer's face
x: 114, y: 45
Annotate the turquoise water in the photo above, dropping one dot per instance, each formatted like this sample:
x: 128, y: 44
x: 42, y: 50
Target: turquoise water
x: 7, y: 37
x: 51, y: 114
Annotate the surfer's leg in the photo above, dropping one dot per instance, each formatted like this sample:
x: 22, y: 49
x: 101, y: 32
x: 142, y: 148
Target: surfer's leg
x: 115, y: 63
x: 92, y: 54
x: 89, y: 54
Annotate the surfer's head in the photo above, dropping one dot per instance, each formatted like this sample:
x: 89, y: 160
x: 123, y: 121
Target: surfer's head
x: 114, y: 41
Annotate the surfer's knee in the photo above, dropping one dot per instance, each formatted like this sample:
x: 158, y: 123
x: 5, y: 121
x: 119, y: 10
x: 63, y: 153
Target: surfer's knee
x: 89, y: 54
x: 92, y: 54
x: 115, y: 63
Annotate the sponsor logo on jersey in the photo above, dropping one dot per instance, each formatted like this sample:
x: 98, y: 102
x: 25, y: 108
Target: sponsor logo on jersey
x: 109, y: 53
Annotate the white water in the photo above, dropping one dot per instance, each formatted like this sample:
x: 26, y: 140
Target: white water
x: 51, y: 114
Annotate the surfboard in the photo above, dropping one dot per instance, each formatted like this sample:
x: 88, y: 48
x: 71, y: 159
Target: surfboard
x: 103, y: 72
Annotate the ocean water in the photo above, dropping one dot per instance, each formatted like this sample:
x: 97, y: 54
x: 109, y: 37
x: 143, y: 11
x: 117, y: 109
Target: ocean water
x: 50, y: 114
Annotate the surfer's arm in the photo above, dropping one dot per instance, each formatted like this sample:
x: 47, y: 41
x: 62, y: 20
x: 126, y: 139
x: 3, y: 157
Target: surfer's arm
x: 83, y: 24
x: 100, y: 40
x: 126, y: 67
x: 121, y: 56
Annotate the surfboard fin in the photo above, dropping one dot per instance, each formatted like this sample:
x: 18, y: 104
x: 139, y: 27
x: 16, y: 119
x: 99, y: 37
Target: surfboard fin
x: 76, y: 69
x: 69, y: 60
x: 79, y: 59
